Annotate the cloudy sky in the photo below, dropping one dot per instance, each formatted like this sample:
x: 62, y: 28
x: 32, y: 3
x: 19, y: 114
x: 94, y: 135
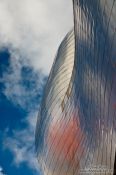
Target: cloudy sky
x: 30, y: 33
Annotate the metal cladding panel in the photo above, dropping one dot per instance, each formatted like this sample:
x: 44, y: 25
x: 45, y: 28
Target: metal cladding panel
x: 76, y: 128
x: 95, y: 82
x: 51, y: 112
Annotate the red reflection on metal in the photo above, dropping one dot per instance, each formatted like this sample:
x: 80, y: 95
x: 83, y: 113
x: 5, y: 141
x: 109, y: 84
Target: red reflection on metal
x: 114, y: 106
x: 64, y: 140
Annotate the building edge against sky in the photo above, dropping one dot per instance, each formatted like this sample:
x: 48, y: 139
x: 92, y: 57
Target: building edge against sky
x: 76, y: 128
x: 55, y: 90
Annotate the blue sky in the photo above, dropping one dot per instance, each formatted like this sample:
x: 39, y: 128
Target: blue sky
x: 17, y: 119
x: 30, y: 33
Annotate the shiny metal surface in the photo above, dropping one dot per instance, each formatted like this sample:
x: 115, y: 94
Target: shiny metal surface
x: 76, y: 128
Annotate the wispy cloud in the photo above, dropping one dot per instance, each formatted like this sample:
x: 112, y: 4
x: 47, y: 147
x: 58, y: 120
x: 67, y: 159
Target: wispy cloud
x: 33, y: 29
x: 1, y: 171
x: 21, y: 144
x: 23, y: 85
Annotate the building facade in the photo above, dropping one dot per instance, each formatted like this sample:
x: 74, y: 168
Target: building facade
x: 76, y: 127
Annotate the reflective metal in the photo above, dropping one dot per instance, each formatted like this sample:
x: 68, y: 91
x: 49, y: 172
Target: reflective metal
x: 76, y: 128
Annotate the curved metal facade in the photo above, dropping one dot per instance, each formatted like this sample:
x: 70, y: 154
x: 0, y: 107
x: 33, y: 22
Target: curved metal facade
x: 76, y: 127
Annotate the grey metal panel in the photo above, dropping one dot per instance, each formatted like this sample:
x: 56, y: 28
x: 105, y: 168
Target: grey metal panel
x: 76, y: 128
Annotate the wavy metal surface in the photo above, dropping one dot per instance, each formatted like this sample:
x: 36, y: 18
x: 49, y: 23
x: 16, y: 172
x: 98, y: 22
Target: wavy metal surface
x: 76, y: 128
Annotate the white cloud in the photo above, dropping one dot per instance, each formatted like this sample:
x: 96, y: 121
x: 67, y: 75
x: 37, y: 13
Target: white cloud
x: 33, y: 29
x: 22, y: 88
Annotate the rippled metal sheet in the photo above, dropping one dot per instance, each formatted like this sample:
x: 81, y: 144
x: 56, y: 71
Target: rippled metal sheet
x: 95, y: 82
x: 51, y: 113
x: 76, y: 128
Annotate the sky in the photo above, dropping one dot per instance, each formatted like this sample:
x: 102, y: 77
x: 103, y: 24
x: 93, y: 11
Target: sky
x: 30, y: 33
